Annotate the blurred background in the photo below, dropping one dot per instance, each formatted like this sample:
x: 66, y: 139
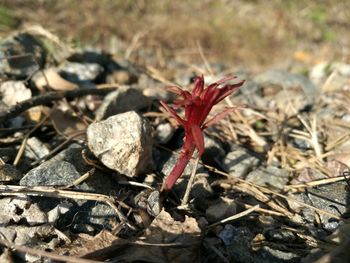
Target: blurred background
x: 246, y: 33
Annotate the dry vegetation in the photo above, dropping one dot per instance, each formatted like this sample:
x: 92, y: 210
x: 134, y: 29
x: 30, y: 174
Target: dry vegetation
x: 245, y: 33
x: 250, y: 35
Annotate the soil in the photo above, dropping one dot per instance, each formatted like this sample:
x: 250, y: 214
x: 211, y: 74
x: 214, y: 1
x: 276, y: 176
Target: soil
x: 272, y: 184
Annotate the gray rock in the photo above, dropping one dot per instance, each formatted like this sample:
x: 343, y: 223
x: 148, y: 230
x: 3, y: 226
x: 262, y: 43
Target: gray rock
x: 62, y: 169
x: 24, y: 54
x: 164, y: 132
x: 122, y: 72
x: 332, y: 198
x: 122, y: 100
x: 80, y: 72
x: 62, y: 208
x: 342, y: 68
x: 280, y: 235
x: 29, y: 235
x: 286, y: 91
x: 17, y: 209
x: 3, y: 106
x: 78, y: 215
x: 66, y: 167
x: 250, y: 93
x: 12, y: 92
x: 201, y: 188
x: 101, y: 216
x: 284, y: 80
x: 238, y: 246
x: 336, y: 82
x: 237, y: 241
x: 201, y: 191
x: 153, y: 89
x: 319, y: 73
x: 51, y: 173
x: 331, y: 76
x: 213, y: 151
x: 226, y: 235
x: 267, y: 221
x: 280, y: 256
x: 269, y: 177
x: 122, y: 142
x: 35, y: 149
x: 239, y: 161
x: 88, y: 217
x: 307, y: 175
x: 301, y: 144
x: 165, y: 166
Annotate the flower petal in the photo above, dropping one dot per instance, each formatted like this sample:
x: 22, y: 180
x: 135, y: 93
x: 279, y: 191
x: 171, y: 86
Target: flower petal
x: 228, y: 90
x: 178, y: 91
x: 173, y: 113
x: 198, y: 86
x: 218, y: 117
x: 223, y: 80
x: 198, y: 138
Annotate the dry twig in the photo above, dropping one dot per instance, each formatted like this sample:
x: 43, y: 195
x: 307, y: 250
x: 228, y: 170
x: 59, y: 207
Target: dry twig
x: 48, y: 98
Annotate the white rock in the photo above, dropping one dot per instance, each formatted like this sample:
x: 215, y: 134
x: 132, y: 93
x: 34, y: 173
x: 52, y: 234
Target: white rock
x: 122, y: 142
x: 13, y: 92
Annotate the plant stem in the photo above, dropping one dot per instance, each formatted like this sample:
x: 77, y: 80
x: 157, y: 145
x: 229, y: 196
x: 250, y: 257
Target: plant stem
x: 190, y: 183
x: 179, y: 167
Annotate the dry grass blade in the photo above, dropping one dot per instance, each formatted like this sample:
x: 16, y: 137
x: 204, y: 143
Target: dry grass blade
x: 236, y: 216
x: 251, y: 188
x: 58, y: 148
x: 82, y: 178
x: 260, y: 192
x: 340, y: 140
x: 134, y: 43
x: 24, y: 142
x: 206, y: 63
x: 184, y: 201
x: 318, y: 182
x: 311, y: 136
x: 260, y: 210
x: 246, y: 129
x: 132, y: 183
x: 262, y: 197
x: 157, y: 75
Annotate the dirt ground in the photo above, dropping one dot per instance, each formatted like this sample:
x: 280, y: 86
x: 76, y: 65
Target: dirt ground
x: 273, y: 184
x: 248, y: 33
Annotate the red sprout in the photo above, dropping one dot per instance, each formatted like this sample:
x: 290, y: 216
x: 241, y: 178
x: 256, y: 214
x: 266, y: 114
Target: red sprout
x: 197, y: 105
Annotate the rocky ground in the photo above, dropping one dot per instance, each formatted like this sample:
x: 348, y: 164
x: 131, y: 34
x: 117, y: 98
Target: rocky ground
x: 85, y: 146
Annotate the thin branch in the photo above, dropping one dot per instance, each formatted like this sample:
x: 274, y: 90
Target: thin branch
x: 48, y: 98
x: 236, y: 216
x: 190, y: 183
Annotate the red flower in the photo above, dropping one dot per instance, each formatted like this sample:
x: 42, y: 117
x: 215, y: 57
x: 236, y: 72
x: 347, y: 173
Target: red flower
x: 197, y: 106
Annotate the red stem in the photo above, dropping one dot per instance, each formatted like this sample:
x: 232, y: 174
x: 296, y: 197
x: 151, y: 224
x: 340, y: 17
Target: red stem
x: 185, y: 157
